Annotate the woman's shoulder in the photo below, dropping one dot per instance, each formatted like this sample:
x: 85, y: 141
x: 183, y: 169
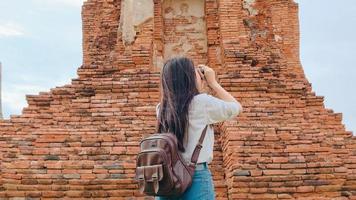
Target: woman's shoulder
x: 199, y: 98
x: 202, y: 97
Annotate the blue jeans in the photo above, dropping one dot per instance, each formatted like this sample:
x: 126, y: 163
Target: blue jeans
x: 202, y: 187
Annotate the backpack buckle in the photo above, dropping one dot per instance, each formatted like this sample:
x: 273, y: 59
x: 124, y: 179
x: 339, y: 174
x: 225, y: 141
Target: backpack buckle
x: 190, y: 163
x: 141, y: 177
x: 199, y: 146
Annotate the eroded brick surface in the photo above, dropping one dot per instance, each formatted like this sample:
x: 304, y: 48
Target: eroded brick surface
x: 80, y: 140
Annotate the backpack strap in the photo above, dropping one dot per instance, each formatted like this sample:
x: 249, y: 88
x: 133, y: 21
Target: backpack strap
x: 198, y: 147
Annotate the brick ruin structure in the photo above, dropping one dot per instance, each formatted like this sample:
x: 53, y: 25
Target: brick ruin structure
x: 80, y: 140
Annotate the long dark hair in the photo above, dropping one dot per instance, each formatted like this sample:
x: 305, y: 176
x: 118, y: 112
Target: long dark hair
x: 178, y: 86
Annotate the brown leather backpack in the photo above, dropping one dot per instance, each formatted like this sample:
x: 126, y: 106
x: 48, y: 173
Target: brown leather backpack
x: 160, y: 168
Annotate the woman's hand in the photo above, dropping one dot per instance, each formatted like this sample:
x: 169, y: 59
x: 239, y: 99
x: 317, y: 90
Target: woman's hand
x: 209, y: 75
x: 221, y: 93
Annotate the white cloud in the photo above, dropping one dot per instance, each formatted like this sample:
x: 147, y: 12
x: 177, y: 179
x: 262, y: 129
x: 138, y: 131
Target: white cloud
x: 14, y: 97
x: 71, y: 3
x: 14, y: 94
x: 10, y: 29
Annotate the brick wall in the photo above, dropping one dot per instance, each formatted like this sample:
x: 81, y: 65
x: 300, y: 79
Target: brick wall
x: 80, y: 140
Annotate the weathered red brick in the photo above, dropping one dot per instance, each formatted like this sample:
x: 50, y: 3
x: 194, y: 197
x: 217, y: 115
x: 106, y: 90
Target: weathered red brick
x: 80, y: 140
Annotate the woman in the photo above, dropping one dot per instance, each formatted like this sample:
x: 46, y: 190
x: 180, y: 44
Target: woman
x: 186, y: 110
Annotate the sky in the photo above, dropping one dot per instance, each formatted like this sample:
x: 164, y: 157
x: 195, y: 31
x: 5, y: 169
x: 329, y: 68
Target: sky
x: 328, y: 53
x: 41, y: 48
